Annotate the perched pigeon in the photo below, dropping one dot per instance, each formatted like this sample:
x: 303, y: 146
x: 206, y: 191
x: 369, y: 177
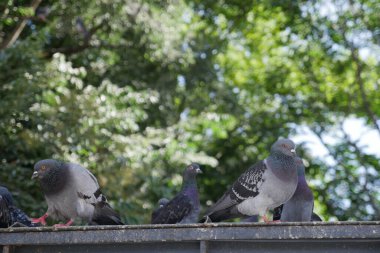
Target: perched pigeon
x: 71, y: 192
x: 265, y: 185
x: 185, y: 206
x: 161, y: 203
x: 300, y: 206
x: 10, y: 215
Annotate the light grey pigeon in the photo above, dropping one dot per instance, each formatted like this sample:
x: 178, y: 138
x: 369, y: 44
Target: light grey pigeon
x: 160, y: 203
x: 300, y: 206
x: 72, y: 192
x: 265, y: 185
x: 185, y: 206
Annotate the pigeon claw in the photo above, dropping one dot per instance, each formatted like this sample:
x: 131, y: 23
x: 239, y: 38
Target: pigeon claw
x: 63, y: 225
x: 41, y: 220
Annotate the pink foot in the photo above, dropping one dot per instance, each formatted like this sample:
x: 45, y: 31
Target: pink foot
x: 60, y: 225
x: 41, y: 220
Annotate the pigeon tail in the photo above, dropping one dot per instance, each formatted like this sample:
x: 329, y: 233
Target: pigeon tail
x: 105, y: 215
x: 224, y: 214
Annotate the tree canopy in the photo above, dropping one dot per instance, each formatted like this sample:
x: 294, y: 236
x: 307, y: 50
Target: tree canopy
x: 135, y: 90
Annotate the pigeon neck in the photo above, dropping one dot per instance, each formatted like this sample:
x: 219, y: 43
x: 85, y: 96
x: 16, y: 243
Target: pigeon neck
x: 279, y: 160
x: 6, y: 195
x: 189, y: 188
x: 283, y: 166
x: 54, y: 180
x: 301, y: 175
x: 189, y: 181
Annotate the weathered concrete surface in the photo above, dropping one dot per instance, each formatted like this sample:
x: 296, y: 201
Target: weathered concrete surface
x: 214, y: 237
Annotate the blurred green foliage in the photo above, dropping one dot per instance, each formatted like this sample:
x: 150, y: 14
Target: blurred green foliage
x: 143, y: 88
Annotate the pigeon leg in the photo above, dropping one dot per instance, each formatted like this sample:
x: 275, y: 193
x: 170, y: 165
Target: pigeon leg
x: 41, y: 220
x: 67, y: 224
x: 266, y: 220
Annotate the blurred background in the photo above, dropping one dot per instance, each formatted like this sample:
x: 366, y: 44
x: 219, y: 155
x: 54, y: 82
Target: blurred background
x: 135, y: 90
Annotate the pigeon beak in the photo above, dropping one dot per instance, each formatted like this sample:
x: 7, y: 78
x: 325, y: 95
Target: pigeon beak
x: 293, y: 151
x: 35, y: 174
x: 199, y: 171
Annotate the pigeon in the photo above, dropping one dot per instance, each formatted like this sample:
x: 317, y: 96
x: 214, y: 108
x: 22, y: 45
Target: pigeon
x: 300, y: 206
x: 161, y: 203
x: 265, y: 185
x: 10, y: 215
x: 184, y: 207
x: 72, y: 192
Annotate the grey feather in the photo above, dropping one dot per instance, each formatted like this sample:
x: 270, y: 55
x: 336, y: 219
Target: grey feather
x: 265, y: 185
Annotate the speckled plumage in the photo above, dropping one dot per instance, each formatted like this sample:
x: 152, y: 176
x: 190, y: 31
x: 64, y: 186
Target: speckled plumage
x: 185, y: 206
x: 265, y: 185
x: 10, y: 215
x: 72, y: 192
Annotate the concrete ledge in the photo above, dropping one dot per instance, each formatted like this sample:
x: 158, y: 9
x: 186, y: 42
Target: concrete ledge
x: 213, y: 237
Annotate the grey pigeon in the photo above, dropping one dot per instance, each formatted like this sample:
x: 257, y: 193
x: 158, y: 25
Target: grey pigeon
x: 10, y: 215
x: 300, y: 206
x: 265, y: 185
x: 72, y: 192
x: 161, y: 203
x: 185, y: 206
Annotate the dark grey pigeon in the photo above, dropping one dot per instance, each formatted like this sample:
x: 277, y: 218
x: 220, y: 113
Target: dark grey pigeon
x: 265, y: 185
x: 185, y: 206
x: 10, y: 215
x: 161, y: 203
x: 72, y: 192
x: 300, y: 206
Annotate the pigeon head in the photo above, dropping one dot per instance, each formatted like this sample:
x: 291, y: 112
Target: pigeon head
x: 193, y: 169
x: 6, y: 196
x: 162, y: 202
x: 44, y: 168
x: 284, y: 147
x: 52, y: 175
x: 191, y: 172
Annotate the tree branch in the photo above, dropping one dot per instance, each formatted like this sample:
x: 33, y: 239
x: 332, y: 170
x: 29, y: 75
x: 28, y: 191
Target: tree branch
x: 358, y: 73
x: 19, y: 28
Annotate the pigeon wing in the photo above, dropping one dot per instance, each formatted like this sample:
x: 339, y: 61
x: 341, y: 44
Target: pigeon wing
x: 246, y: 186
